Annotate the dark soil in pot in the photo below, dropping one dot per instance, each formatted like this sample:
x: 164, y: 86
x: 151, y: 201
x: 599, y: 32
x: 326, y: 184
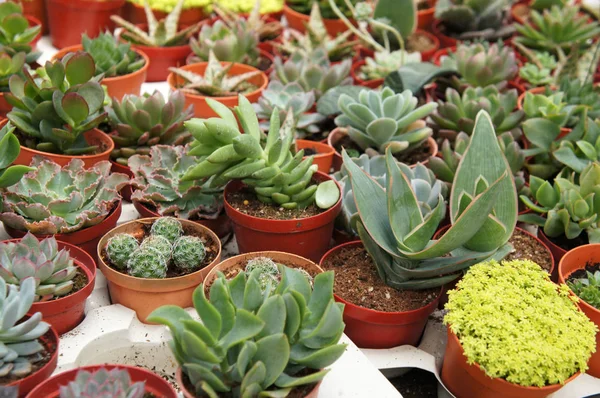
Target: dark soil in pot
x: 582, y: 273
x: 264, y: 64
x: 245, y: 202
x: 325, y: 127
x: 417, y: 383
x: 357, y: 281
x: 79, y: 282
x: 528, y: 248
x: 568, y: 244
x: 41, y: 359
x: 419, y: 154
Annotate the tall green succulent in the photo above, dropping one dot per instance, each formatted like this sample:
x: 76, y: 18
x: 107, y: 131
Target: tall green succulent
x: 10, y: 65
x: 10, y: 149
x: 55, y: 106
x: 255, y: 343
x: 54, y: 199
x: 140, y: 122
x: 112, y: 58
x: 472, y: 19
x: 483, y: 214
x: 15, y: 33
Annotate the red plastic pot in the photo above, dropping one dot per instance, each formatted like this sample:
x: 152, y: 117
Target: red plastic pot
x: 355, y: 73
x: 221, y: 225
x: 297, y: 21
x: 69, y: 19
x: 86, y: 239
x: 155, y: 384
x: 307, y: 237
x: 324, y: 153
x: 377, y: 329
x: 445, y: 41
x: 516, y: 15
x: 464, y: 380
x: 5, y: 107
x: 572, y: 261
x: 136, y: 14
x: 37, y: 10
x: 425, y: 17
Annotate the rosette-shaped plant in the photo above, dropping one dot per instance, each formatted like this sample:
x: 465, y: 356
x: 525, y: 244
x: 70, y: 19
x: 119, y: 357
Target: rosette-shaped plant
x: 119, y: 249
x: 112, y: 58
x: 483, y: 214
x: 535, y: 75
x: 188, y: 252
x: 270, y: 168
x: 581, y: 95
x: 114, y: 383
x: 474, y: 19
x: 158, y: 182
x: 15, y: 32
x: 10, y: 66
x: 20, y: 347
x: 168, y: 5
x: 147, y: 263
x: 141, y: 122
x: 382, y: 119
x: 53, y: 269
x: 581, y: 147
x: 57, y: 200
x: 168, y: 227
x: 10, y: 149
x: 385, y: 63
x: 255, y: 343
x: 55, y: 106
x: 258, y: 19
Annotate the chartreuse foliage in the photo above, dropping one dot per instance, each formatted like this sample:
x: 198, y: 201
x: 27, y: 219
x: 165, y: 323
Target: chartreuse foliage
x: 518, y: 325
x: 483, y: 213
x: 253, y: 342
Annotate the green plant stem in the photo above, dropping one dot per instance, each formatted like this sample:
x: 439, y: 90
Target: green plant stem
x: 349, y: 25
x: 393, y: 31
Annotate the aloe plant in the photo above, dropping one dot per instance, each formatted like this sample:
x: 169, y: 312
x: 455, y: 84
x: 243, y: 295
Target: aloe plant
x: 10, y: 149
x: 15, y: 33
x: 483, y: 214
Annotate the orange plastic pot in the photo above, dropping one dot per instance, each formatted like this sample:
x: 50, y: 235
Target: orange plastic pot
x: 69, y: 19
x: 323, y: 156
x: 50, y: 341
x: 425, y: 17
x: 220, y: 225
x: 145, y: 295
x: 201, y: 108
x: 377, y: 329
x: 572, y: 261
x: 464, y: 380
x: 136, y: 14
x: 307, y: 237
x: 5, y: 107
x: 86, y: 239
x: 155, y: 385
x: 37, y: 10
x: 297, y: 20
x: 516, y: 12
x: 355, y: 73
x: 93, y: 137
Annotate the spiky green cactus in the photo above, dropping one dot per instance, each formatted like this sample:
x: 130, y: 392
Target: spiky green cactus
x: 267, y: 270
x: 119, y: 249
x: 167, y: 227
x: 188, y: 252
x: 147, y: 263
x: 160, y: 244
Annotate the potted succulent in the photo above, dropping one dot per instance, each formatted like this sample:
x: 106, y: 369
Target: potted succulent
x: 36, y: 9
x: 304, y: 345
x: 124, y: 69
x: 297, y: 13
x: 9, y: 66
x: 29, y: 345
x: 67, y: 19
x: 156, y: 261
x: 159, y: 190
x: 223, y: 81
x: 192, y: 11
x: 65, y: 276
x: 164, y: 41
x: 579, y: 270
x: 10, y: 148
x: 75, y: 204
x: 111, y: 380
x: 19, y: 33
x: 521, y: 11
x: 65, y: 128
x: 484, y: 360
x: 276, y: 200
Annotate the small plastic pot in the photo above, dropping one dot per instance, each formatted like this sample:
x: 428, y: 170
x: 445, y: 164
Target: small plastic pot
x: 37, y: 10
x: 425, y: 17
x: 145, y: 295
x: 117, y: 86
x: 5, y: 107
x: 136, y: 15
x: 572, y: 261
x: 93, y: 137
x: 201, y: 108
x: 193, y: 59
x: 297, y: 21
x: 355, y: 73
x: 69, y: 19
x: 155, y: 384
x: 324, y: 153
x: 307, y: 237
x: 378, y: 329
x: 464, y: 380
x: 445, y: 41
x: 516, y: 12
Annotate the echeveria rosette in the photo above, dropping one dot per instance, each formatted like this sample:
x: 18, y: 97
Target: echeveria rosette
x: 112, y: 58
x: 54, y: 199
x: 103, y: 383
x: 15, y: 33
x: 587, y: 288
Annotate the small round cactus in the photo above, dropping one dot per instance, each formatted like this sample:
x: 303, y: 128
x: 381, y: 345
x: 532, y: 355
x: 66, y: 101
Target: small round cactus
x: 267, y: 268
x: 160, y: 244
x: 188, y: 252
x: 119, y: 249
x: 167, y: 227
x: 147, y: 263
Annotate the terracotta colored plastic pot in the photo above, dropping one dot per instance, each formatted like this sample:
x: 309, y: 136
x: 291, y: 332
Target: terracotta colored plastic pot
x: 572, y: 261
x: 323, y: 156
x: 355, y: 73
x: 297, y: 21
x: 193, y: 59
x: 425, y: 17
x: 93, y: 137
x: 425, y: 55
x: 155, y: 384
x: 445, y: 41
x: 5, y: 107
x: 51, y: 341
x: 37, y: 10
x: 86, y: 239
x: 69, y: 19
x: 136, y: 14
x: 378, y: 329
x: 518, y: 10
x: 201, y: 108
x: 307, y: 237
x: 145, y: 295
x: 464, y: 380
x: 220, y: 225
x: 117, y: 86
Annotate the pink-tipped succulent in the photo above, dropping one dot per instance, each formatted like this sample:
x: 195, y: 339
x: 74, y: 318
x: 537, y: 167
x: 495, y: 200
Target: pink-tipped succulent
x: 115, y: 383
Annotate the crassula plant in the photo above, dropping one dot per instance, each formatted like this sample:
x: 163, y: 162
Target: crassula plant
x: 15, y: 33
x: 112, y: 57
x: 114, y: 383
x: 519, y: 296
x: 231, y: 351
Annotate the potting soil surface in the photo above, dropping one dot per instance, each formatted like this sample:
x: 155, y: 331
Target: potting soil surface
x: 245, y: 201
x: 527, y: 247
x: 419, y: 154
x: 41, y: 359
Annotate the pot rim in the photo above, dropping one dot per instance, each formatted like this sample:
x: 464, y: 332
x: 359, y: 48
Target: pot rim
x: 105, y: 5
x: 289, y: 10
x: 327, y: 150
x: 562, y: 276
x: 183, y: 47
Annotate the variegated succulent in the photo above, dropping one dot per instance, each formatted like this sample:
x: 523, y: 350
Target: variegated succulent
x: 15, y: 33
x: 54, y: 199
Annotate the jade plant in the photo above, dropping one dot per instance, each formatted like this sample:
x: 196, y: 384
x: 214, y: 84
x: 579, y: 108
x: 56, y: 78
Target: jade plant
x: 519, y: 296
x: 231, y: 351
x: 54, y: 106
x: 474, y: 19
x: 158, y: 183
x: 15, y: 33
x: 587, y: 288
x: 10, y: 149
x: 274, y: 173
x: 140, y: 122
x: 483, y: 215
x: 103, y: 383
x: 10, y: 65
x: 54, y: 199
x: 53, y: 269
x: 20, y: 346
x: 111, y: 57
